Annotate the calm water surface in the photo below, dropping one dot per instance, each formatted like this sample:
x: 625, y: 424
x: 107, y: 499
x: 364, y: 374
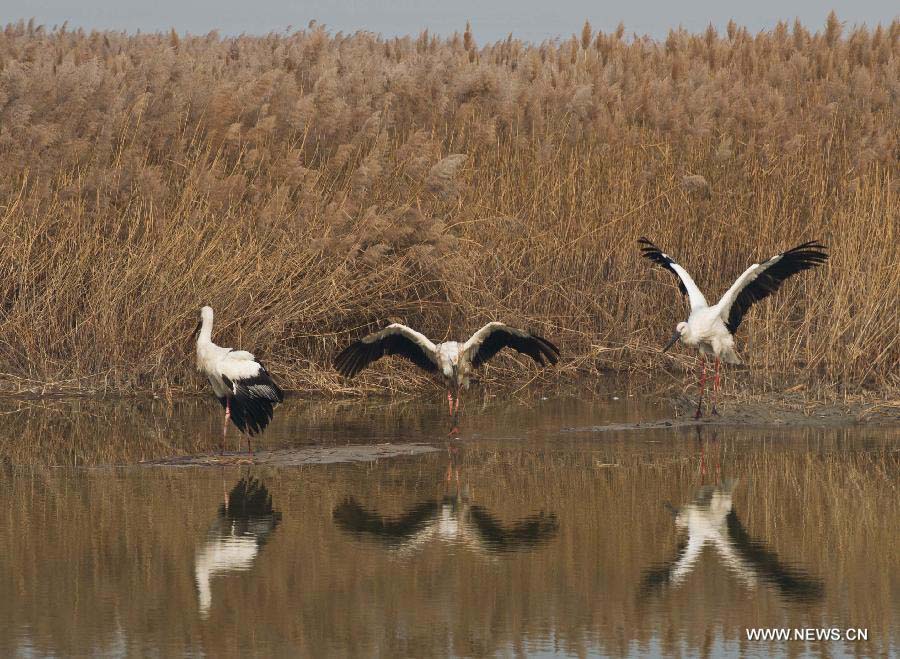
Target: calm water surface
x: 523, y: 537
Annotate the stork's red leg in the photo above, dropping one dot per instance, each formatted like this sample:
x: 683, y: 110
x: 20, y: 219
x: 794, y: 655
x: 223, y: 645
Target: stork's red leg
x: 716, y: 389
x: 449, y: 402
x: 699, y: 411
x: 249, y: 448
x: 225, y: 427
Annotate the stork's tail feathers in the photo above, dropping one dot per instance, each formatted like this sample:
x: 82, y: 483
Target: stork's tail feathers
x: 253, y: 401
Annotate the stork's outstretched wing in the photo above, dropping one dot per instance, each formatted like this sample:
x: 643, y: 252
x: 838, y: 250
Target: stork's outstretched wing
x: 792, y: 582
x: 391, y: 531
x: 685, y: 283
x: 524, y: 534
x: 395, y: 339
x: 760, y: 280
x: 493, y: 337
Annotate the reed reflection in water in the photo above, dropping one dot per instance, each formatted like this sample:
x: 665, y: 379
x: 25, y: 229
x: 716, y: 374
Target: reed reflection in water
x: 572, y: 550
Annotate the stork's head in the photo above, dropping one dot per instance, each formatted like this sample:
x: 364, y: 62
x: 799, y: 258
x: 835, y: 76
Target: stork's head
x: 681, y: 330
x: 451, y: 371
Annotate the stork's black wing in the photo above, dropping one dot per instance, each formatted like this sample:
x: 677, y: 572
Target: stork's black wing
x: 686, y: 284
x: 493, y: 337
x: 655, y: 254
x: 524, y: 534
x: 395, y: 339
x: 656, y: 577
x: 759, y: 281
x: 249, y: 510
x: 354, y: 519
x: 792, y: 582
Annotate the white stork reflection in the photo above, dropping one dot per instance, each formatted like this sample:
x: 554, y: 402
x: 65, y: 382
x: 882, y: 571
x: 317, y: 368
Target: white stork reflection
x: 454, y: 519
x: 243, y: 525
x: 711, y: 521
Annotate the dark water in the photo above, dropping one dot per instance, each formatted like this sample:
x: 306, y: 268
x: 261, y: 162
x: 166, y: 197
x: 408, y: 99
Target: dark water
x: 522, y: 537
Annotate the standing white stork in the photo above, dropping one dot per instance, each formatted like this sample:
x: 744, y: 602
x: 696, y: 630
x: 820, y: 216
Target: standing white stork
x: 711, y: 328
x: 243, y: 385
x: 453, y: 360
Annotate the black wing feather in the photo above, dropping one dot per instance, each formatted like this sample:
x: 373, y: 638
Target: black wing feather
x: 524, y: 534
x: 793, y: 582
x: 360, y: 354
x: 356, y: 520
x: 249, y: 510
x: 800, y: 258
x: 536, y: 347
x: 653, y: 253
x: 252, y: 401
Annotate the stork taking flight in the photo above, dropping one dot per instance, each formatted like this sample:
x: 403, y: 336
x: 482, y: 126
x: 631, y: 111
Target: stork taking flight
x: 711, y: 328
x: 453, y: 360
x: 243, y: 386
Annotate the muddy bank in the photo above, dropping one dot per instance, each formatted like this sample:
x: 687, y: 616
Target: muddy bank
x: 787, y: 413
x: 297, y: 457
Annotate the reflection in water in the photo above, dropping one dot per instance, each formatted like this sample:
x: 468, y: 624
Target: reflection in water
x: 243, y: 525
x: 710, y: 519
x: 78, y: 576
x: 455, y: 519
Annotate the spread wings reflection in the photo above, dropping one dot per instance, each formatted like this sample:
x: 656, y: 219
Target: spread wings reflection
x: 454, y: 519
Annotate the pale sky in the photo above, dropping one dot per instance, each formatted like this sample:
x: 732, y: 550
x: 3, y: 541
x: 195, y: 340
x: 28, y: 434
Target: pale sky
x: 533, y: 20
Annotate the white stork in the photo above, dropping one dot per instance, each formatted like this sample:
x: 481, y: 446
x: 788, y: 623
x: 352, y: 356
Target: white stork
x: 711, y: 328
x: 243, y: 385
x: 453, y: 360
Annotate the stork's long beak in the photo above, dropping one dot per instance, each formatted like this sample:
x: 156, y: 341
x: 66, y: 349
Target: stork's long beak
x: 196, y: 330
x: 672, y: 340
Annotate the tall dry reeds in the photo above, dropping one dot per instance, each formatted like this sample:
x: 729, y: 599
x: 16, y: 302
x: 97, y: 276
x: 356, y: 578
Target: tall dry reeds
x: 313, y: 186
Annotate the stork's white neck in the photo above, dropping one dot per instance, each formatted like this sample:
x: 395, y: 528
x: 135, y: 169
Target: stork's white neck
x: 206, y: 323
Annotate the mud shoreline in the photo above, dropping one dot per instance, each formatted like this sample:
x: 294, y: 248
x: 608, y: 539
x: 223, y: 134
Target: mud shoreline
x: 298, y: 457
x: 787, y: 413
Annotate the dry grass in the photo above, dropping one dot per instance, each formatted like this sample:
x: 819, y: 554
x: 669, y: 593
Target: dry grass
x: 311, y: 187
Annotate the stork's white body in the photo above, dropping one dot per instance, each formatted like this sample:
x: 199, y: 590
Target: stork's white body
x: 706, y: 331
x: 705, y: 327
x: 215, y: 361
x: 705, y: 521
x: 449, y: 355
x: 221, y: 555
x: 711, y: 521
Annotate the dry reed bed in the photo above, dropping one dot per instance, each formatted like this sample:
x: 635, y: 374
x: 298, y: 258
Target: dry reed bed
x: 313, y: 186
